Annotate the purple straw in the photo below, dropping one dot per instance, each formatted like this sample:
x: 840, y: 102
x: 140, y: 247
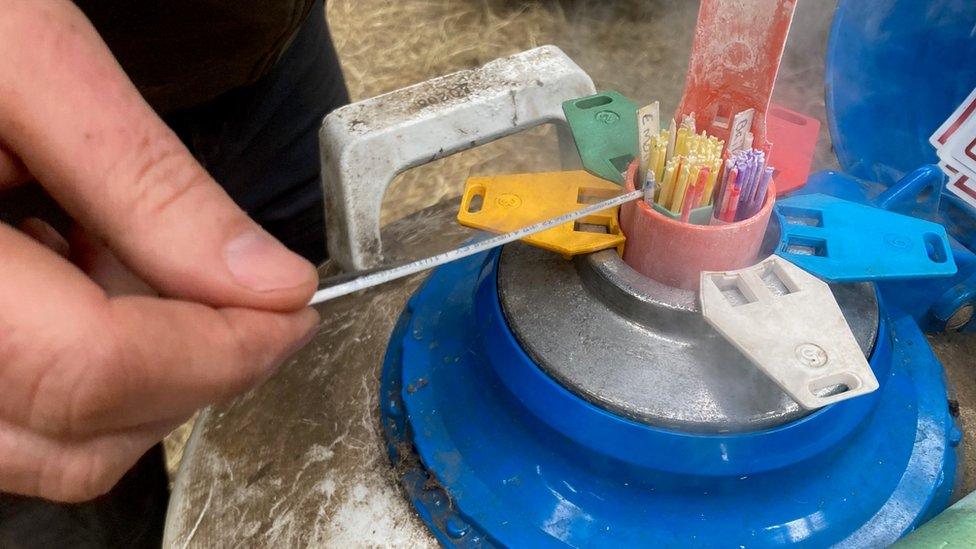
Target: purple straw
x: 753, y: 181
x: 752, y: 164
x: 756, y: 203
x: 760, y: 169
x: 764, y: 186
x: 749, y: 170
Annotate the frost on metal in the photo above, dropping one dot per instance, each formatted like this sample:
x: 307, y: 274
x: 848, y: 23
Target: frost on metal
x: 787, y: 322
x: 365, y: 145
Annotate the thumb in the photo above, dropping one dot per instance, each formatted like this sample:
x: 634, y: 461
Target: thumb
x: 82, y: 129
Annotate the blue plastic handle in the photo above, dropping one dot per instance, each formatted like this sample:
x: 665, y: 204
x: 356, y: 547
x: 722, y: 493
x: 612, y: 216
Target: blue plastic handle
x: 842, y: 241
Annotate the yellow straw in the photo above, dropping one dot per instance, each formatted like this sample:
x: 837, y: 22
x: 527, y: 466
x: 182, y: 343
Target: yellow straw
x: 680, y: 188
x: 710, y: 182
x: 676, y: 172
x: 681, y: 143
x: 652, y: 155
x: 667, y: 184
x: 662, y: 156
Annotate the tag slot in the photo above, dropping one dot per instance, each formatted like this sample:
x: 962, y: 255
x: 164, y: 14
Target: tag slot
x: 620, y: 163
x: 834, y: 385
x: 935, y: 248
x: 734, y: 289
x: 592, y: 102
x: 588, y: 195
x: 777, y: 280
x: 801, y: 216
x: 804, y: 245
x: 723, y: 115
x: 474, y: 199
x: 582, y: 227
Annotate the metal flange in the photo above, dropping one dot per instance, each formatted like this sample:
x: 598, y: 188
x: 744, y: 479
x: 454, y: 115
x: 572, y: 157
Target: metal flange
x: 641, y: 349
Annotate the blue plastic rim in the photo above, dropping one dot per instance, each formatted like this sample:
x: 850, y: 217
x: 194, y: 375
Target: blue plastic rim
x: 492, y: 451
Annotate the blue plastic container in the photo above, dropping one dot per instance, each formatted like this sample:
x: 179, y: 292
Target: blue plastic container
x: 896, y: 69
x: 492, y: 451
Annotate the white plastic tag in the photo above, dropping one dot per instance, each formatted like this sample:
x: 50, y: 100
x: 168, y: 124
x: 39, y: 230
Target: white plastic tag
x: 740, y: 135
x: 787, y: 322
x: 648, y: 126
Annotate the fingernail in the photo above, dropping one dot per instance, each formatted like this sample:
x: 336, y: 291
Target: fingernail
x: 263, y: 264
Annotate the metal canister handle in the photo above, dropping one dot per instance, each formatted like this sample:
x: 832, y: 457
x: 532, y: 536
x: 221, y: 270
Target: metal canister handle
x: 366, y: 144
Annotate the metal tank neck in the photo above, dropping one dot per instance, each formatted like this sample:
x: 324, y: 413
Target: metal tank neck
x: 640, y: 349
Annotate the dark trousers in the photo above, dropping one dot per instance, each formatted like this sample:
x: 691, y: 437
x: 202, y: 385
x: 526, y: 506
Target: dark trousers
x: 261, y: 144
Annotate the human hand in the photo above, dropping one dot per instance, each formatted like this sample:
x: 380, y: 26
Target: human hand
x: 91, y: 376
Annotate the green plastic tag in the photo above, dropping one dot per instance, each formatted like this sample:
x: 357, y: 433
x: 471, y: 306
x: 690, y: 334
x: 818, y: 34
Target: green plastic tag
x: 605, y: 129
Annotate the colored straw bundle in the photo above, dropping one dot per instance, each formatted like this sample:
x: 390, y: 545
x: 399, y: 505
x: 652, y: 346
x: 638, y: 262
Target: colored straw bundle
x: 682, y: 167
x: 742, y: 187
x: 685, y: 171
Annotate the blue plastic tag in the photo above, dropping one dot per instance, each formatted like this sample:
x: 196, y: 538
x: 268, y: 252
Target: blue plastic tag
x: 842, y: 241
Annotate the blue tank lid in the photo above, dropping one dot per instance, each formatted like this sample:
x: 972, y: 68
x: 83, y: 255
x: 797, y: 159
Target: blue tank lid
x: 896, y: 69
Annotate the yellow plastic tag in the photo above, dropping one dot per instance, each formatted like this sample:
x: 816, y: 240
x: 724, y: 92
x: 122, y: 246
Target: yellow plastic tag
x: 504, y: 203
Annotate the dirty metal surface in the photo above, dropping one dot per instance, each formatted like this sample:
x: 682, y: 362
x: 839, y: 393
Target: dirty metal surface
x: 300, y: 460
x: 641, y: 349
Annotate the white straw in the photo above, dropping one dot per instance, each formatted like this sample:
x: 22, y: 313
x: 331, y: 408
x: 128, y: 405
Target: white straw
x: 381, y: 277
